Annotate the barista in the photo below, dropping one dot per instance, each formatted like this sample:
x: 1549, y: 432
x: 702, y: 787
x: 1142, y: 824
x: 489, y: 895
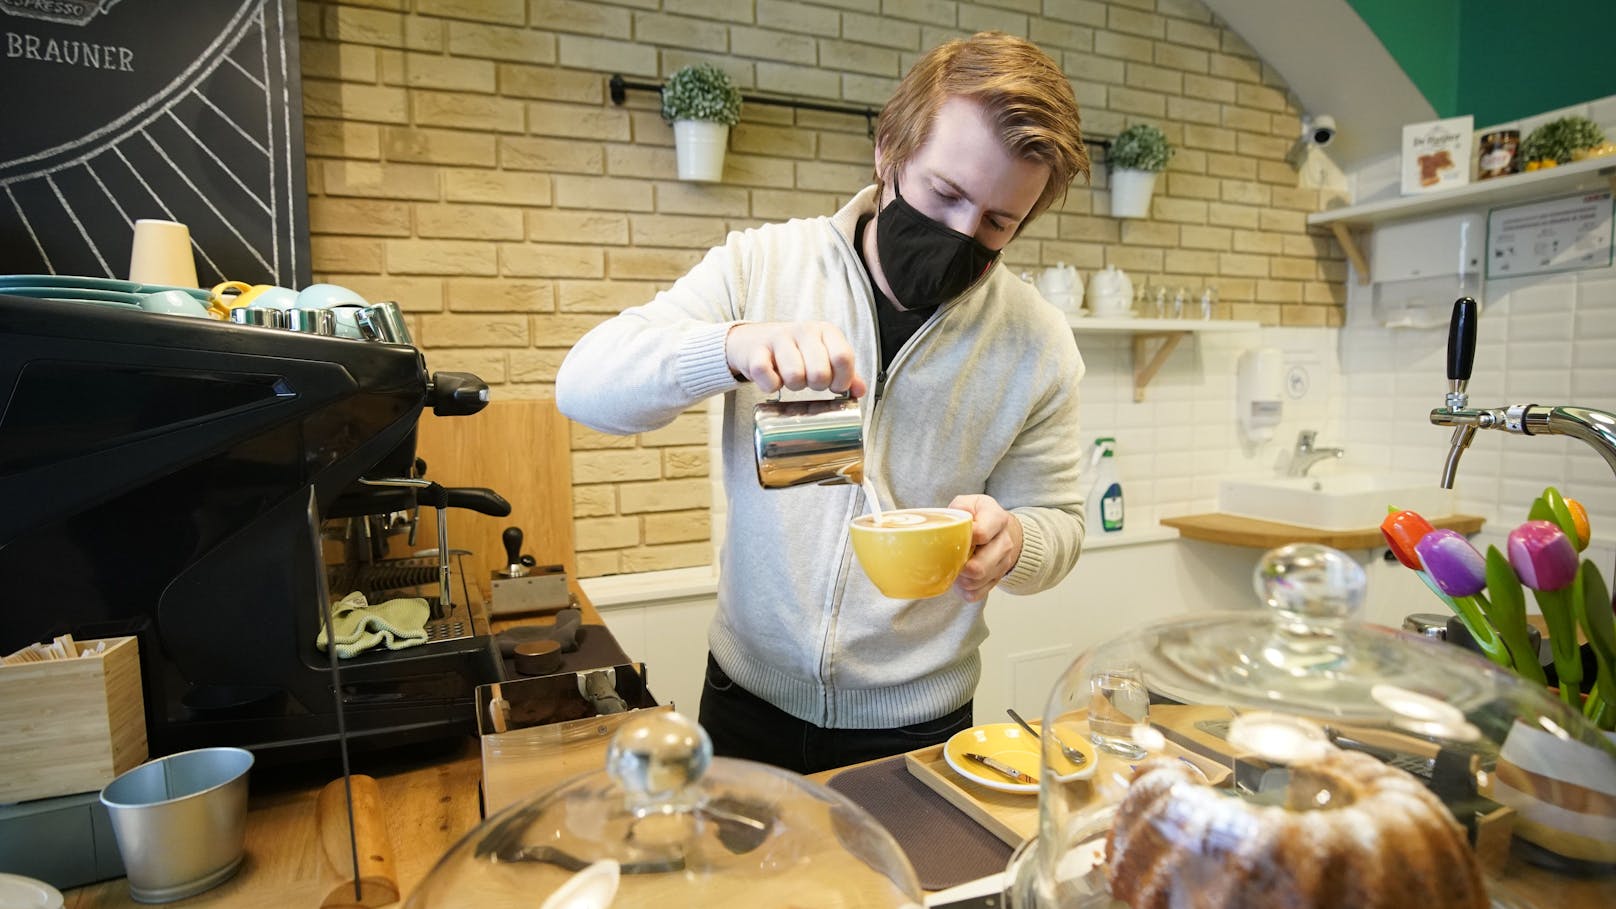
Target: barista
x: 970, y: 378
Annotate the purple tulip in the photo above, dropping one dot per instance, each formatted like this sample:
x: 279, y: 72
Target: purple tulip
x: 1453, y: 563
x: 1542, y: 555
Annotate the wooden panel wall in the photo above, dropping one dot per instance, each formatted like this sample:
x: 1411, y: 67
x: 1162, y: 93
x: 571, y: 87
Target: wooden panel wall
x: 520, y: 449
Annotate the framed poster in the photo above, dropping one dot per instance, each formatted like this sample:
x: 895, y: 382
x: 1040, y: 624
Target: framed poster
x: 117, y: 110
x: 1565, y: 234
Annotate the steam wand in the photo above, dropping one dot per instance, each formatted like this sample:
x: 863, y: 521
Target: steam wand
x: 1595, y: 427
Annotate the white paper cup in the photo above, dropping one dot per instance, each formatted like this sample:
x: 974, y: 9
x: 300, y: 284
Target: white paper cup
x: 161, y: 254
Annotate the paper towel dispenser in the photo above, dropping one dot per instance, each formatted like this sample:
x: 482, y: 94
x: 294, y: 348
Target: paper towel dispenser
x: 1422, y: 266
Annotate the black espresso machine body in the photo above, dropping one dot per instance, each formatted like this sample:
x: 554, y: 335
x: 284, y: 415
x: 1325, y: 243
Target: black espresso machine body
x: 156, y: 474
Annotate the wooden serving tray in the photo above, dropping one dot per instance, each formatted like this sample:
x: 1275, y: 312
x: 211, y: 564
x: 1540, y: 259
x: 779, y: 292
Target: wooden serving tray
x: 1012, y: 816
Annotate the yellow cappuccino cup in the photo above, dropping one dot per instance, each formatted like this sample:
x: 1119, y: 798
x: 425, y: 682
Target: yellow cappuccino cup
x: 913, y: 553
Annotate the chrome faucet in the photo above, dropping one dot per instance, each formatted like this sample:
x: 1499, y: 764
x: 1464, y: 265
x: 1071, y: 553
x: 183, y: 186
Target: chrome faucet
x: 1595, y: 427
x: 1305, y: 455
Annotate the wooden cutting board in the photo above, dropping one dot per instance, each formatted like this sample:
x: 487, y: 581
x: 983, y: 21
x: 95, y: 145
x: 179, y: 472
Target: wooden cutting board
x: 521, y: 449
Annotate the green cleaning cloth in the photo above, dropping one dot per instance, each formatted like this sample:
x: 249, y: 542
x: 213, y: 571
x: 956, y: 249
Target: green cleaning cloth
x: 360, y: 626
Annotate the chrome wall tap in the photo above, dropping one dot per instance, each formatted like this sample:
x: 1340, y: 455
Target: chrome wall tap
x: 1595, y: 427
x: 1306, y: 454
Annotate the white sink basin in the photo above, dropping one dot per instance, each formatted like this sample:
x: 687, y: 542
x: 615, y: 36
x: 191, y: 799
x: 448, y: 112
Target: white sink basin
x: 1337, y: 501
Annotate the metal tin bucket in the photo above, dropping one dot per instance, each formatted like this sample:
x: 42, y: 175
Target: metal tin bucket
x: 812, y: 441
x: 180, y: 821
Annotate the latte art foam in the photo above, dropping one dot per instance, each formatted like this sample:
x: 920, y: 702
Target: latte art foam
x: 911, y: 519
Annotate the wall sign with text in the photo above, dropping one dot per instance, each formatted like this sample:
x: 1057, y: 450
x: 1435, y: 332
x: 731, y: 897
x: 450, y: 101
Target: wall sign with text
x: 1557, y: 235
x: 117, y: 110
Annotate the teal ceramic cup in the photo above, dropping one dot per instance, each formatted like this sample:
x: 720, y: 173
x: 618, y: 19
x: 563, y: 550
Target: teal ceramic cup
x: 174, y: 303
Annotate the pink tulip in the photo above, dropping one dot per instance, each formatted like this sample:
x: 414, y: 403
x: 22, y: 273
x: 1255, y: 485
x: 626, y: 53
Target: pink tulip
x: 1453, y: 563
x: 1542, y: 555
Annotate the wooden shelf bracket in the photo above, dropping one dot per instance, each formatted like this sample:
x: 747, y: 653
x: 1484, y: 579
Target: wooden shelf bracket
x: 1349, y: 243
x: 1147, y: 364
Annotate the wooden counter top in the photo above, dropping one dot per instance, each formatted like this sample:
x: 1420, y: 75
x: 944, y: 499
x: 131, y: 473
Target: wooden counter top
x: 1235, y: 530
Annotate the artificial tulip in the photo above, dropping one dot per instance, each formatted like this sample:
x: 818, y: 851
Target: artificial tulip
x: 1546, y: 561
x: 1403, y: 530
x: 1579, y: 520
x: 1453, y: 563
x: 1454, y: 570
x: 1542, y: 555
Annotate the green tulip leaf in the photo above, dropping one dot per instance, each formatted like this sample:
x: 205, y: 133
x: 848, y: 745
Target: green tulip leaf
x: 1594, y: 612
x: 1540, y: 511
x: 1561, y: 511
x: 1506, y: 610
x: 1508, y: 600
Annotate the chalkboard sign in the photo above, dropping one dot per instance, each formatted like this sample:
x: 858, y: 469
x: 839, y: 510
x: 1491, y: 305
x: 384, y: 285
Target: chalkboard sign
x: 116, y: 110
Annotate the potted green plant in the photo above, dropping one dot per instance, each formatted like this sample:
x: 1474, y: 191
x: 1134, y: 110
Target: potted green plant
x: 702, y: 104
x: 1559, y: 141
x: 1135, y: 157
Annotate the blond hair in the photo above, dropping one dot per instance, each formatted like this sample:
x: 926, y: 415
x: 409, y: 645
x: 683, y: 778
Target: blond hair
x: 1023, y: 90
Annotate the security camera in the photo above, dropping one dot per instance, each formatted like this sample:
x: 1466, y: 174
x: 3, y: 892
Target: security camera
x: 1321, y: 130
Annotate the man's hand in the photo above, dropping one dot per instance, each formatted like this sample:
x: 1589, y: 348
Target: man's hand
x: 793, y: 355
x: 996, y: 538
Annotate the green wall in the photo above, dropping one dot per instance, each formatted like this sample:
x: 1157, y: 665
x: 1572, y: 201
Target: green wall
x: 1498, y: 60
x: 1423, y: 37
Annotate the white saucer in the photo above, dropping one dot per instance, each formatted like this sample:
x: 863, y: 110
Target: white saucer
x: 18, y: 892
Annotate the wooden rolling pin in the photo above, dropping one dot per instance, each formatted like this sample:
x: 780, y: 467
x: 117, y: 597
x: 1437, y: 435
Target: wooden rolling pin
x: 378, y: 880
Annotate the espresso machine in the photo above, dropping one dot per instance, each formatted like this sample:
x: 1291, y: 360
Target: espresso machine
x: 168, y: 478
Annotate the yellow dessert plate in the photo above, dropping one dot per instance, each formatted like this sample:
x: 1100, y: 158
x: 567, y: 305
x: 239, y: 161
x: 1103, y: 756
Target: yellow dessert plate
x: 1013, y: 746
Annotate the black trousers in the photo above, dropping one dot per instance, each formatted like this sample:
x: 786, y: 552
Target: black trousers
x: 743, y: 725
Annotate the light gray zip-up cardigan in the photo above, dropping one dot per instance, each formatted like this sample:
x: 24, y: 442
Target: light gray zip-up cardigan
x: 983, y: 399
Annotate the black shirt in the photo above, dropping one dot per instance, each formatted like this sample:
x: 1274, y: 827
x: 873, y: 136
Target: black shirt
x: 896, y: 325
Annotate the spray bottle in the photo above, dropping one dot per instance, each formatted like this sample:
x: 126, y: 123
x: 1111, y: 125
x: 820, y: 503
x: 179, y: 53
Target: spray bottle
x: 1105, y: 490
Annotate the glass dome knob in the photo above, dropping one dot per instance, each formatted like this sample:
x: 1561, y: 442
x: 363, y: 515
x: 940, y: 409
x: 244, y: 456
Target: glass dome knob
x: 658, y: 755
x: 1307, y: 582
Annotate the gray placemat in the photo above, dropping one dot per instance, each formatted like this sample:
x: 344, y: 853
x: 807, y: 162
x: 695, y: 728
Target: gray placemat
x: 943, y: 844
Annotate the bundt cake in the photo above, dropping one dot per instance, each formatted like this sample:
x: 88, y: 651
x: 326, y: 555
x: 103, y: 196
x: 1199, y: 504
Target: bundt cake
x: 1353, y: 833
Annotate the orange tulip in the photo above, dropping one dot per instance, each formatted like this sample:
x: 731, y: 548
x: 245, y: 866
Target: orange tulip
x: 1403, y: 530
x: 1579, y: 518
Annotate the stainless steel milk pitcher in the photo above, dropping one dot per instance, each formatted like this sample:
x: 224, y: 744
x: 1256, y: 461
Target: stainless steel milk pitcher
x: 809, y: 441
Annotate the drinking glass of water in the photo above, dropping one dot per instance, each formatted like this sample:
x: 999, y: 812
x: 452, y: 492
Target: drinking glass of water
x: 1118, y: 709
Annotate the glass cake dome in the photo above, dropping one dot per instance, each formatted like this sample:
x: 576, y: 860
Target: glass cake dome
x: 666, y: 824
x: 1291, y: 756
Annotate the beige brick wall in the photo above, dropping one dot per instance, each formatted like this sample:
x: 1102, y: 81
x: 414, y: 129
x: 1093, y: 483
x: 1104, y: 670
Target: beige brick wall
x: 465, y: 159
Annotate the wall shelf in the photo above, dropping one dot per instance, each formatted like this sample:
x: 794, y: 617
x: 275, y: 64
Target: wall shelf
x: 1592, y: 174
x: 1237, y: 530
x: 1162, y: 334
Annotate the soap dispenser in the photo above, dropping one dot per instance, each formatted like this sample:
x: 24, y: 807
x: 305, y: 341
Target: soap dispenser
x: 1259, y: 392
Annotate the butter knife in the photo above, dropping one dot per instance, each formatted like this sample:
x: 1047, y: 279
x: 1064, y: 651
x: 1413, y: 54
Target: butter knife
x: 1002, y: 768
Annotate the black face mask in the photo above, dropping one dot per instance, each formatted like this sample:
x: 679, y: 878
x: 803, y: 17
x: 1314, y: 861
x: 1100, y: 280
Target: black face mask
x: 925, y: 262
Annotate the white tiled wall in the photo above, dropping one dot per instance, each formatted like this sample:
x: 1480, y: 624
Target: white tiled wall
x: 1174, y: 446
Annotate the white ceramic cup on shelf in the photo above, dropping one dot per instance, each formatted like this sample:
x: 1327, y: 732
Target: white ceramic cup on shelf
x: 161, y: 254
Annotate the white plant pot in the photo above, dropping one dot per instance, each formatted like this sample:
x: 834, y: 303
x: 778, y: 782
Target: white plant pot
x: 1130, y: 192
x: 700, y: 146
